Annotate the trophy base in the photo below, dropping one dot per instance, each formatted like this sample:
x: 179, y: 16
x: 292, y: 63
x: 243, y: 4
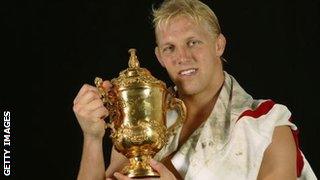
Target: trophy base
x: 139, y: 168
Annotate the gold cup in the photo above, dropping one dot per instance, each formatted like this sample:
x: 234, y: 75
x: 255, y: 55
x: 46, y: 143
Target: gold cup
x: 137, y: 105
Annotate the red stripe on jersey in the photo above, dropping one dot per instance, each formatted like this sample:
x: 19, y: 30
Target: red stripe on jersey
x: 262, y: 109
x: 299, y: 161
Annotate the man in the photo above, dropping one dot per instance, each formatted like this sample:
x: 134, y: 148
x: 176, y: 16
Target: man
x: 227, y: 134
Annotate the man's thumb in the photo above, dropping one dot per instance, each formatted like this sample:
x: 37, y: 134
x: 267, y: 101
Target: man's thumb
x: 159, y: 167
x: 106, y: 85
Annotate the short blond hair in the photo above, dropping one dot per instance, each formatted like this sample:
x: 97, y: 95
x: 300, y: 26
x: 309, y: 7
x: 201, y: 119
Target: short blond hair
x: 195, y: 9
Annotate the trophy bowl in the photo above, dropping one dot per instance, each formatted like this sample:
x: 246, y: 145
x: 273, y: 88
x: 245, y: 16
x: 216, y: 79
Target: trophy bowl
x: 137, y: 104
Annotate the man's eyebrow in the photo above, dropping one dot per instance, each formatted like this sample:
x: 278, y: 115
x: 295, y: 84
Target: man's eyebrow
x: 166, y: 44
x: 191, y: 37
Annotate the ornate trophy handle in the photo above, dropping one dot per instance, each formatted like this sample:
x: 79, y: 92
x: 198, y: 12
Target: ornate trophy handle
x: 175, y: 103
x: 106, y: 101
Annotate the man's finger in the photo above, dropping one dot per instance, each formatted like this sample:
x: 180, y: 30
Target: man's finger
x: 160, y: 168
x: 88, y: 97
x: 106, y: 85
x: 100, y: 113
x: 94, y: 104
x: 83, y: 90
x: 120, y: 176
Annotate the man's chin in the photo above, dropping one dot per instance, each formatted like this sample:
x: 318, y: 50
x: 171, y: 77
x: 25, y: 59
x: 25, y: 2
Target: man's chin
x: 187, y: 91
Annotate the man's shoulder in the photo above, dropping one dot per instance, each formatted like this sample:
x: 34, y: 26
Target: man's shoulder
x: 262, y: 117
x: 263, y: 108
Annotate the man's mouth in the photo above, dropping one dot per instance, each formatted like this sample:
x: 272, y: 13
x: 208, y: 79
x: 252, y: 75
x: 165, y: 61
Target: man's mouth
x: 188, y: 72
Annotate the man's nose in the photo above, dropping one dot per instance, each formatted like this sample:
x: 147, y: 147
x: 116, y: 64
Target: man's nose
x: 184, y: 56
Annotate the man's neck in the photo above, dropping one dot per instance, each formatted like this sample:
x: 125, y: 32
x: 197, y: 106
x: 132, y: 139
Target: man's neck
x: 201, y: 105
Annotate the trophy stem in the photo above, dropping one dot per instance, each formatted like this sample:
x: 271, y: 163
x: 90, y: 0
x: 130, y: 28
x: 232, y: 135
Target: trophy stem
x: 139, y: 167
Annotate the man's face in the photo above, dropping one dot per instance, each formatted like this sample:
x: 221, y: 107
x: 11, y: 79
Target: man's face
x: 190, y: 54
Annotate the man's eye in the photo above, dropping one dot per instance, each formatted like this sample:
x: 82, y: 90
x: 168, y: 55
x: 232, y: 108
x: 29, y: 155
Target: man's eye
x: 193, y: 42
x: 168, y: 49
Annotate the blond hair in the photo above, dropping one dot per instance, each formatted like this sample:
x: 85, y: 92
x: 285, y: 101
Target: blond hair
x: 194, y: 9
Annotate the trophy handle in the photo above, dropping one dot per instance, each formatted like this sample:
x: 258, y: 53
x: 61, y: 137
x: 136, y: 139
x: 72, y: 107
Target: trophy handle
x: 106, y: 101
x: 175, y: 103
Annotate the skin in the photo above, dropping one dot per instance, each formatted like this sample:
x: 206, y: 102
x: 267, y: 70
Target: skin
x: 279, y: 160
x: 182, y: 45
x: 89, y: 111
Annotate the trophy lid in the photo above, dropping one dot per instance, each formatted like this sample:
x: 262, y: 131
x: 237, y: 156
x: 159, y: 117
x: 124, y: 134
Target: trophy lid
x: 135, y: 75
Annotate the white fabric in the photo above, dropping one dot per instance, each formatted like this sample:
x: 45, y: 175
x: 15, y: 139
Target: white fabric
x: 226, y: 147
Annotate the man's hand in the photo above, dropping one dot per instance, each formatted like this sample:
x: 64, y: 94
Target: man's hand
x: 90, y: 111
x: 165, y: 174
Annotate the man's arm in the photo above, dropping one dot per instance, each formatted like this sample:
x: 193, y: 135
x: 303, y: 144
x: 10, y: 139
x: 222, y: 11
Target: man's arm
x: 92, y: 161
x: 279, y: 160
x: 90, y: 112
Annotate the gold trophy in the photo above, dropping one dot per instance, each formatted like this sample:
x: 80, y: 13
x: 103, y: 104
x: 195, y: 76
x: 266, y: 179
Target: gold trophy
x: 137, y: 105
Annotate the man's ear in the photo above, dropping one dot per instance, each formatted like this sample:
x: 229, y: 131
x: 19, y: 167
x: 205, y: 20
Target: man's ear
x: 220, y: 44
x: 157, y: 52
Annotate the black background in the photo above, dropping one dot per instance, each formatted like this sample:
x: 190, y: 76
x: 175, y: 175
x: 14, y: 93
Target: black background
x: 51, y: 48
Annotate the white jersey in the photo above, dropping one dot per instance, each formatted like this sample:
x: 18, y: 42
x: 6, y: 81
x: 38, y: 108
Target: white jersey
x: 231, y: 142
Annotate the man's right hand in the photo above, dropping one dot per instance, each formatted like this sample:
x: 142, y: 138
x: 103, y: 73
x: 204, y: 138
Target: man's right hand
x: 90, y: 111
